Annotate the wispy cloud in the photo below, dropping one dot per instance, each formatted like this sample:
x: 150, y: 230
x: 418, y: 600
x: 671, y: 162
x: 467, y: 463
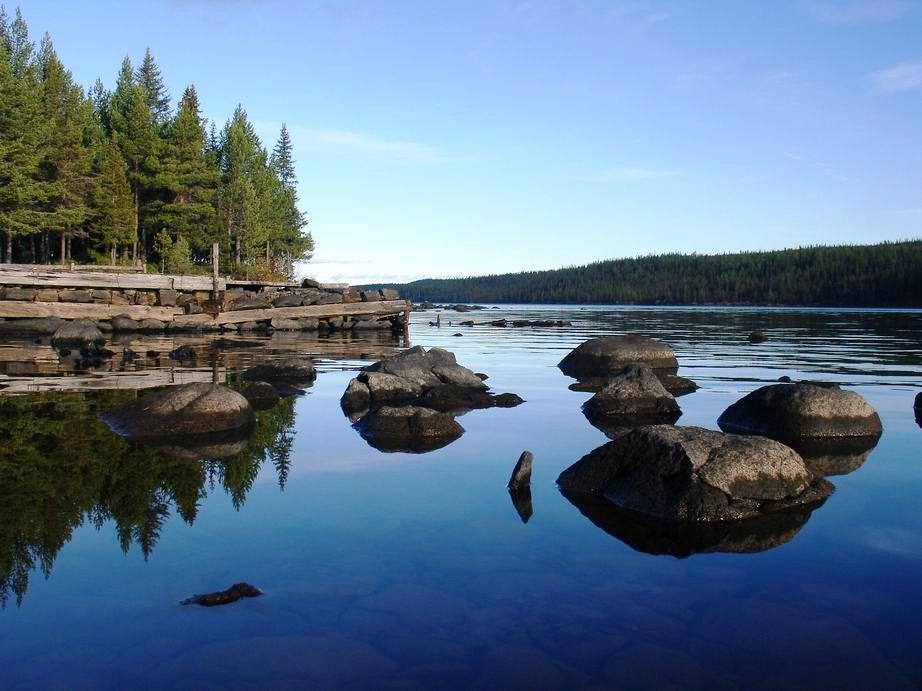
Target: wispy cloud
x: 628, y: 174
x: 857, y: 11
x: 821, y: 167
x: 906, y: 76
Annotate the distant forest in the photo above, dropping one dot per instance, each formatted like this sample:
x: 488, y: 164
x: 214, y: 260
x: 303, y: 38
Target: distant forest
x: 124, y: 176
x: 884, y: 275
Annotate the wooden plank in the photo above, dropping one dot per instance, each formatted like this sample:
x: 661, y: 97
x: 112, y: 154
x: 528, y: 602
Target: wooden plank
x: 86, y: 279
x: 118, y: 268
x: 318, y: 311
x: 262, y: 284
x: 14, y: 309
x: 141, y: 379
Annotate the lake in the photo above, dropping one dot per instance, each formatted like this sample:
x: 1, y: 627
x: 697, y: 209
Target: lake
x: 416, y: 570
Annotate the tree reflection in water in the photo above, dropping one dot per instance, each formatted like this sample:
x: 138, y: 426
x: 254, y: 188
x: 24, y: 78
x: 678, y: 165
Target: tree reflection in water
x: 60, y: 467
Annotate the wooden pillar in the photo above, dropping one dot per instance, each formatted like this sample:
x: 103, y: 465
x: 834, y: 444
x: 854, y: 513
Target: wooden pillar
x: 214, y: 270
x: 406, y: 325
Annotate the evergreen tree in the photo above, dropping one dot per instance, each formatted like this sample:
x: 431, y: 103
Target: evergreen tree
x: 19, y: 47
x: 148, y: 77
x: 112, y: 222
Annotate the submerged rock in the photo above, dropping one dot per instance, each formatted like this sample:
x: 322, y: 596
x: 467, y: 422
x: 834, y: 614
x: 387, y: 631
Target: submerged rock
x: 599, y: 357
x: 80, y: 332
x: 682, y: 539
x: 757, y: 336
x: 521, y: 474
x: 179, y: 410
x: 224, y: 597
x: 797, y: 411
x: 694, y: 474
x: 634, y: 395
x: 409, y: 428
x: 294, y: 369
x: 261, y: 395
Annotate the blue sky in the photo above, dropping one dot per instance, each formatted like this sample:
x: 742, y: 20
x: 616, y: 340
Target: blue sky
x: 456, y: 138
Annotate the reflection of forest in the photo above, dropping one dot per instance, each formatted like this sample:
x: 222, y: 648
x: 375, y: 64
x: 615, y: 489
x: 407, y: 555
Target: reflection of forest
x: 61, y: 466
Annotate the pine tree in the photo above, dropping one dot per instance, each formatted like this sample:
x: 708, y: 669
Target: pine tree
x: 291, y: 244
x: 20, y: 134
x: 112, y: 221
x: 187, y: 180
x: 20, y: 49
x: 148, y: 77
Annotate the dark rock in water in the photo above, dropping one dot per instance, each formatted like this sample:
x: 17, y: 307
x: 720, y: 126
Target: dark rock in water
x: 682, y: 538
x: 521, y: 323
x: 468, y: 322
x: 152, y: 353
x: 458, y: 334
x: 409, y: 428
x: 803, y: 410
x: 634, y: 393
x: 757, y: 336
x: 261, y: 395
x: 676, y: 385
x: 183, y: 352
x: 41, y: 325
x: 428, y: 368
x: 224, y: 597
x: 917, y: 404
x: 599, y: 357
x: 521, y: 500
x: 694, y: 474
x: 294, y: 369
x: 80, y: 332
x: 124, y: 323
x: 784, y: 379
x: 180, y: 410
x: 231, y: 344
x: 502, y: 323
x: 521, y: 474
x: 481, y: 376
x: 357, y: 397
x: 389, y: 389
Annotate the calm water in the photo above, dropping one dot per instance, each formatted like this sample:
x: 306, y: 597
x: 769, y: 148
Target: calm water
x: 416, y: 571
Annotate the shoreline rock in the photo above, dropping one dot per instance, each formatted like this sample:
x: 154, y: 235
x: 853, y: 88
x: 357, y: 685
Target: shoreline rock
x: 606, y: 355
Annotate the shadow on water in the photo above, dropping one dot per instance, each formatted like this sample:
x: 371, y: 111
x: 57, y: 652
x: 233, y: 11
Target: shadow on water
x: 61, y: 468
x: 680, y: 539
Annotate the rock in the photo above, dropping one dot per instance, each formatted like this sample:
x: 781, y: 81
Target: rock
x: 250, y: 326
x: 46, y: 296
x: 288, y: 300
x: 389, y: 388
x: 681, y: 539
x: 694, y: 474
x: 357, y: 397
x: 784, y: 379
x: 481, y: 376
x: 188, y: 409
x: 75, y: 296
x: 224, y: 597
x: 185, y: 299
x: 153, y: 353
x: 757, y: 336
x: 294, y: 369
x: 27, y: 294
x: 105, y: 327
x: 634, y: 394
x: 151, y: 325
x: 167, y: 298
x: 116, y: 299
x: 41, y: 325
x: 418, y: 365
x: 803, y: 410
x: 409, y: 428
x: 521, y: 474
x: 371, y: 324
x: 101, y: 296
x: 80, y: 332
x: 261, y: 395
x: 676, y: 385
x: 917, y: 404
x: 183, y: 352
x: 329, y: 299
x: 283, y: 324
x: 371, y: 296
x: 250, y: 302
x: 457, y: 334
x: 609, y: 354
x: 124, y: 323
x: 447, y: 398
x: 310, y: 283
x: 309, y: 296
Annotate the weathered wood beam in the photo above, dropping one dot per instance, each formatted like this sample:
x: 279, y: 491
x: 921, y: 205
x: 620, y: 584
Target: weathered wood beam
x: 87, y: 279
x: 15, y: 309
x: 57, y: 268
x: 143, y: 379
x: 318, y: 311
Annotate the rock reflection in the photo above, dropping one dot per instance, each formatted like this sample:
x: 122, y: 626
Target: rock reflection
x: 835, y: 456
x: 521, y: 500
x: 683, y: 539
x: 60, y: 467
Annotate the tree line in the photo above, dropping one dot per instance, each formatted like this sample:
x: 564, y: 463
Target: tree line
x: 119, y: 176
x: 882, y: 275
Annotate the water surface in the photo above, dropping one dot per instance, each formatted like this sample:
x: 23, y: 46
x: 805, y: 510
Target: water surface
x: 416, y: 571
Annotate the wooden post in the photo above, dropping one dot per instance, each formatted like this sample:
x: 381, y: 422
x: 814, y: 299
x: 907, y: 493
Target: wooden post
x: 214, y: 270
x: 406, y: 325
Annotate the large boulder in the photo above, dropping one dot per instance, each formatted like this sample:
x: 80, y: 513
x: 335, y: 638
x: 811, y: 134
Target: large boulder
x: 789, y: 412
x: 428, y: 368
x: 695, y: 474
x: 78, y: 333
x: 124, y: 323
x: 408, y: 428
x: 606, y: 355
x: 294, y: 369
x: 189, y: 409
x: 261, y: 395
x: 635, y: 393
